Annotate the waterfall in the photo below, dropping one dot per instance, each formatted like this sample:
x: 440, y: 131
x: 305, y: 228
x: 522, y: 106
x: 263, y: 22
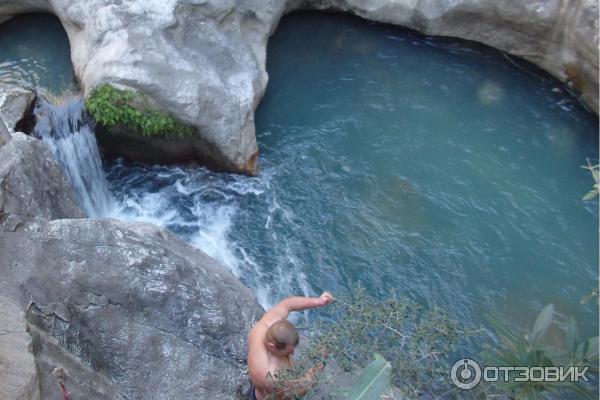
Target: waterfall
x: 65, y: 130
x: 200, y: 206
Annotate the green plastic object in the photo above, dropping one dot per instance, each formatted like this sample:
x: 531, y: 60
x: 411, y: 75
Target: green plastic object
x: 372, y: 382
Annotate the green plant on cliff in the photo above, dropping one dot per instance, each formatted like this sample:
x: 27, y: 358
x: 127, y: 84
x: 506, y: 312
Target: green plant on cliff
x: 113, y: 108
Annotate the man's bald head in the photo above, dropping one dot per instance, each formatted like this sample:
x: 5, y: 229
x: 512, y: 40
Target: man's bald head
x: 282, y: 334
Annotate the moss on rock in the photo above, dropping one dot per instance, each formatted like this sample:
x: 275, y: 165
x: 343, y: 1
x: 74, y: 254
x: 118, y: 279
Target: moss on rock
x: 113, y: 107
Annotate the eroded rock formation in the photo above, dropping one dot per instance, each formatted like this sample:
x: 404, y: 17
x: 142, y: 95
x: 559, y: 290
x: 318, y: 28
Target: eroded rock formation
x: 204, y: 61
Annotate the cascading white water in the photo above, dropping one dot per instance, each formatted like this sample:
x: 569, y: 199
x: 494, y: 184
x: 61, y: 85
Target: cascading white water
x: 64, y: 130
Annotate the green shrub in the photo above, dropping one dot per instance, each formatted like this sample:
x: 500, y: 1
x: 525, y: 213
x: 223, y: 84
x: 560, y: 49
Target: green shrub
x: 112, y: 107
x: 416, y: 342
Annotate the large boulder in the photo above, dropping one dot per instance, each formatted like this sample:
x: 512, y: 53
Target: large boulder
x: 127, y: 310
x: 204, y: 61
x: 147, y: 315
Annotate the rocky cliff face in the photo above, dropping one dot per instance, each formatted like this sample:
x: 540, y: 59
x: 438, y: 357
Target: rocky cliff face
x: 128, y: 310
x: 204, y: 61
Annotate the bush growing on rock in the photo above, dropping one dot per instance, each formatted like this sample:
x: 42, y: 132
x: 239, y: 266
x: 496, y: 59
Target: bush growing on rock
x: 112, y: 107
x: 418, y: 346
x: 416, y: 342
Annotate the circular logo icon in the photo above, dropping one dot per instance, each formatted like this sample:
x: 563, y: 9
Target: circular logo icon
x: 465, y: 373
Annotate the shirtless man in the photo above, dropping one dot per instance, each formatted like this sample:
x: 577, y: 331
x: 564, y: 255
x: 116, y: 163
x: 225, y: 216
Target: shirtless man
x: 271, y: 344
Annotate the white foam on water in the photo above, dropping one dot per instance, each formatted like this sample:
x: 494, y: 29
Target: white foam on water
x: 152, y: 208
x: 214, y: 224
x: 261, y: 292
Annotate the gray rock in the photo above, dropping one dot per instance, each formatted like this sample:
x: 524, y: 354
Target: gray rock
x: 14, y: 102
x: 4, y: 134
x: 127, y: 309
x: 18, y: 376
x: 81, y: 382
x: 148, y: 315
x: 32, y: 184
x: 204, y: 61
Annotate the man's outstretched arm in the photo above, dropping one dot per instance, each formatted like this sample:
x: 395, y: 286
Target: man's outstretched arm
x: 300, y: 303
x: 296, y: 303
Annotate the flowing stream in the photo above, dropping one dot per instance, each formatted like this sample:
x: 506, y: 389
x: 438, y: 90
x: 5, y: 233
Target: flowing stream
x: 437, y: 167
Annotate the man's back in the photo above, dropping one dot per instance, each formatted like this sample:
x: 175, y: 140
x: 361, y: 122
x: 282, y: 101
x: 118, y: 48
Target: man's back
x: 272, y: 341
x: 261, y: 363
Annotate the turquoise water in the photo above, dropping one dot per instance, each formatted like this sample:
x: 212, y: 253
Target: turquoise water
x: 434, y: 166
x: 34, y: 51
x: 437, y: 167
x: 427, y: 165
x: 440, y: 168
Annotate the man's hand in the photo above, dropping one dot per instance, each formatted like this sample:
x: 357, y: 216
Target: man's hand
x: 325, y: 298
